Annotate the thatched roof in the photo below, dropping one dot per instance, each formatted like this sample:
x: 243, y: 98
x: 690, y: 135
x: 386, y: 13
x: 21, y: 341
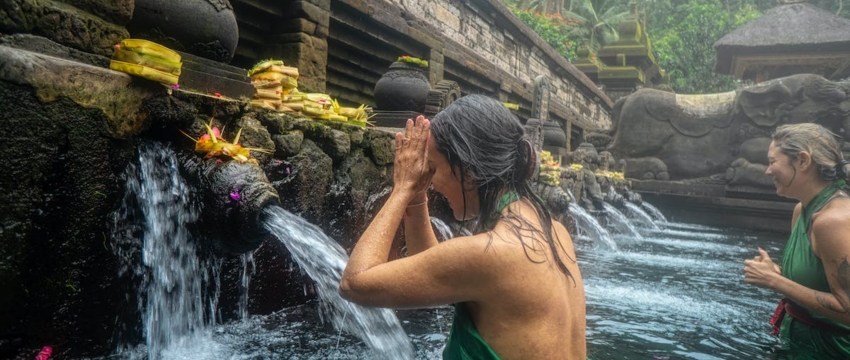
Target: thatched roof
x: 791, y: 28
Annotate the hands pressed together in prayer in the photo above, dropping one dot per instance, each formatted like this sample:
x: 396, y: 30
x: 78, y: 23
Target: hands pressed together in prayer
x: 412, y: 173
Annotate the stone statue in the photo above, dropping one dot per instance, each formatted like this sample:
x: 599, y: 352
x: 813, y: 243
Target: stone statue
x: 605, y: 161
x: 587, y: 156
x: 668, y: 136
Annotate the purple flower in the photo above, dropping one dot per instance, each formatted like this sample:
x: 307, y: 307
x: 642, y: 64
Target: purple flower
x: 175, y: 86
x: 234, y: 195
x: 287, y: 170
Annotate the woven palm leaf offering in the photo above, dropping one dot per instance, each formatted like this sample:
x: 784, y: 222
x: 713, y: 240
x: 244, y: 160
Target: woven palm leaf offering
x: 550, y: 170
x: 212, y: 144
x: 148, y: 60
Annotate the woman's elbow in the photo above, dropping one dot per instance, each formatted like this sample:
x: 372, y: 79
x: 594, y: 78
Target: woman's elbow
x: 355, y: 292
x: 345, y: 290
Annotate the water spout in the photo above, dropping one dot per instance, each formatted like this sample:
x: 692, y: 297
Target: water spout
x: 652, y: 210
x: 641, y: 216
x: 620, y: 220
x: 588, y: 226
x: 323, y: 259
x: 235, y: 195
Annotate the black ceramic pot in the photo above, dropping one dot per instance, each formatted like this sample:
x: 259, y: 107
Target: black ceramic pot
x: 206, y: 28
x: 403, y: 87
x: 553, y: 135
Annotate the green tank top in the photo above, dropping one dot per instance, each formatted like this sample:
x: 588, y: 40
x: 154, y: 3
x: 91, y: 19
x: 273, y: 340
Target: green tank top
x: 465, y: 343
x: 801, y: 265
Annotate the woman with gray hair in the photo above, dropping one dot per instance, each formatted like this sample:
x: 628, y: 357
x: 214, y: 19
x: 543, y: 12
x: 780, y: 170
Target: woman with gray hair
x: 813, y: 318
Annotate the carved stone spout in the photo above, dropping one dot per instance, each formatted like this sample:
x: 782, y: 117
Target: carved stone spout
x: 234, y: 196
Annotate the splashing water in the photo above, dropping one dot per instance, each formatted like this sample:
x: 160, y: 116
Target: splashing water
x: 588, y: 225
x: 443, y: 230
x: 247, y: 261
x: 573, y: 199
x: 652, y: 210
x: 620, y: 220
x: 677, y: 295
x: 323, y: 259
x: 173, y: 275
x: 640, y: 215
x: 370, y: 202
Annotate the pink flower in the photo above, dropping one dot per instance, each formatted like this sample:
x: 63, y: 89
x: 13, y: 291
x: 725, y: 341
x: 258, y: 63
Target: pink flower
x: 234, y: 195
x: 45, y: 353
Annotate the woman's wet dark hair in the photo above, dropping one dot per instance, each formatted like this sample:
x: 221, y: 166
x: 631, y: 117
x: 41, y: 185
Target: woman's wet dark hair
x: 483, y: 140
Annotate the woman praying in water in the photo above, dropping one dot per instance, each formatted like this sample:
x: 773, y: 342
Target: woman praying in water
x: 515, y: 284
x: 806, y: 164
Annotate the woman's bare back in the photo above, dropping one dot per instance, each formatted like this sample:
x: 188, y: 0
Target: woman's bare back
x: 535, y: 310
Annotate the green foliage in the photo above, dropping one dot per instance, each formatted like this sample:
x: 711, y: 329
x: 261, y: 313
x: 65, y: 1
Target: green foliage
x: 552, y: 28
x: 542, y: 6
x: 598, y: 21
x: 683, y: 32
x: 683, y: 42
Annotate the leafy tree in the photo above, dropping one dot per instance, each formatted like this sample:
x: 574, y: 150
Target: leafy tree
x: 683, y: 42
x: 552, y: 28
x: 598, y: 21
x: 542, y: 6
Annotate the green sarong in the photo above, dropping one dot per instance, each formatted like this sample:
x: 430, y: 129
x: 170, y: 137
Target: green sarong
x: 464, y: 341
x: 801, y: 265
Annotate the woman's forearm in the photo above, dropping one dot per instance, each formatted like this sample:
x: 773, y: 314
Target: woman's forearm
x: 418, y: 232
x: 375, y: 244
x: 822, y: 303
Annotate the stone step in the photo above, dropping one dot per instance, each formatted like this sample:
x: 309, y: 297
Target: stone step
x: 211, y: 77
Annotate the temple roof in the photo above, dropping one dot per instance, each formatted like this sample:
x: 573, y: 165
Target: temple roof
x: 790, y: 28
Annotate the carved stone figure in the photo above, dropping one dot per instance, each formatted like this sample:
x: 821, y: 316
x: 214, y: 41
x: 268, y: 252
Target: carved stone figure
x: 663, y: 135
x: 605, y: 160
x: 586, y: 155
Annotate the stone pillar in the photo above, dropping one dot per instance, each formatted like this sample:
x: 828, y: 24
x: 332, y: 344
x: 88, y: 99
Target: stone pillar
x: 540, y: 102
x: 436, y: 62
x: 303, y: 41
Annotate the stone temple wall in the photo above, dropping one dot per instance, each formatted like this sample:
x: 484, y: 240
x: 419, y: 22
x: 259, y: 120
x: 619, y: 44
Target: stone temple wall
x: 343, y: 47
x: 507, y: 44
x: 75, y: 127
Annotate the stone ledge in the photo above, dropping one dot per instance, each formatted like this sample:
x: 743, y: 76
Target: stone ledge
x: 88, y: 86
x: 772, y: 216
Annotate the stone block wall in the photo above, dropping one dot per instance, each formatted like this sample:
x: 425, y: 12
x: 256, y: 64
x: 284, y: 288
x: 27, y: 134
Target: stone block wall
x: 483, y: 39
x: 343, y: 47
